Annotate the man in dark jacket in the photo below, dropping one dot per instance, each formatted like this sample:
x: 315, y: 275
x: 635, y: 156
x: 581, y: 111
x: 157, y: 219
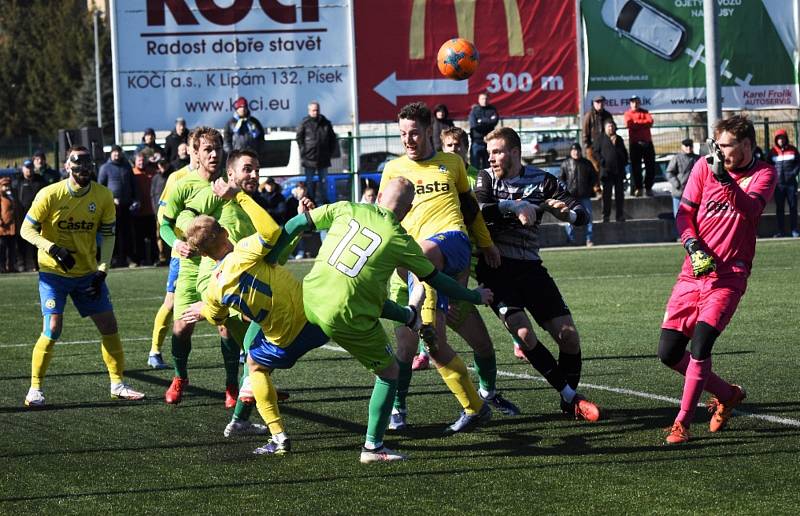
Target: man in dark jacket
x: 25, y: 190
x: 580, y: 178
x: 482, y: 120
x: 441, y: 121
x: 317, y: 143
x: 41, y: 168
x: 149, y: 143
x: 786, y: 160
x: 593, y: 125
x: 174, y: 139
x: 612, y: 156
x: 243, y: 130
x: 116, y: 174
x: 678, y: 170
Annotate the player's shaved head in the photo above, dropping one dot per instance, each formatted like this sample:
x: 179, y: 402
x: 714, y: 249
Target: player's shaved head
x: 397, y: 196
x: 207, y: 237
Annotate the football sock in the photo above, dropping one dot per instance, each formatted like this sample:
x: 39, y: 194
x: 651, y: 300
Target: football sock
x: 421, y: 348
x: 113, y: 356
x: 180, y: 355
x: 230, y: 357
x: 380, y: 408
x: 42, y: 353
x: 457, y: 379
x: 403, y: 383
x: 267, y: 401
x: 542, y: 360
x: 162, y: 322
x: 714, y: 385
x: 242, y: 411
x: 428, y: 310
x: 486, y: 367
x: 568, y: 393
x: 571, y: 366
x: 517, y: 341
x: 697, y: 373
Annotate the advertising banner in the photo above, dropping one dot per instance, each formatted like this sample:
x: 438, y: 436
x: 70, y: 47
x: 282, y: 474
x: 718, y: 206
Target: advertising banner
x: 528, y: 56
x: 655, y: 49
x: 193, y: 59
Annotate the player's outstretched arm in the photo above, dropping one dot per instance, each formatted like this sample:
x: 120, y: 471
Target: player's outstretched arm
x: 294, y: 228
x: 451, y: 288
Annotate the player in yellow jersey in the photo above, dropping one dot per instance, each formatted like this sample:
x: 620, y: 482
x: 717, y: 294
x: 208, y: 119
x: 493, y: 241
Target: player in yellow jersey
x: 437, y: 224
x: 163, y: 318
x: 67, y: 222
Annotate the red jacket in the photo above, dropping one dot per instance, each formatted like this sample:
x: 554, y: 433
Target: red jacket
x: 638, y: 123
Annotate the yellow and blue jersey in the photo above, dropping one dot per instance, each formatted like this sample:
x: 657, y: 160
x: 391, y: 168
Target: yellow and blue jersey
x: 266, y: 293
x: 74, y: 221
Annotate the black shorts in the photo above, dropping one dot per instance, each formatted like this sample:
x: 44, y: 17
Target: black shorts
x: 523, y: 285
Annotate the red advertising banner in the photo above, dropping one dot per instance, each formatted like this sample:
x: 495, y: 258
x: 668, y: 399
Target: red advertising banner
x: 528, y: 59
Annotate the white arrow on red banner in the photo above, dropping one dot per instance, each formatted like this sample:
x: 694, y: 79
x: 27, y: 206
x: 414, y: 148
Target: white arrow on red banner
x: 391, y: 87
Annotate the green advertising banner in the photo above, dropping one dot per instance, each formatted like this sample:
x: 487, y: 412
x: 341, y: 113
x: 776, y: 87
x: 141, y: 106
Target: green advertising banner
x: 655, y: 49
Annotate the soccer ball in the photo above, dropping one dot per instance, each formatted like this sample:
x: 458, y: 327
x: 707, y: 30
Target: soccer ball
x: 457, y: 59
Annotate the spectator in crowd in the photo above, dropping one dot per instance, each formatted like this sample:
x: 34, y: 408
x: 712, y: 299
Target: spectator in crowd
x: 41, y: 168
x: 482, y: 120
x: 143, y: 217
x: 678, y: 170
x: 369, y: 196
x: 116, y: 175
x: 243, y: 130
x: 149, y: 142
x: 593, y: 126
x: 639, y: 121
x: 8, y: 226
x: 273, y: 200
x: 298, y: 193
x: 317, y: 143
x: 580, y: 178
x: 157, y: 184
x: 785, y: 159
x: 183, y: 157
x: 174, y: 139
x: 612, y: 156
x: 441, y: 121
x: 28, y: 185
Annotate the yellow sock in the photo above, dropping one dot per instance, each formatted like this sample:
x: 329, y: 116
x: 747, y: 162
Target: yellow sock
x: 113, y: 356
x: 266, y: 401
x: 457, y: 379
x: 42, y: 353
x: 428, y: 311
x: 160, y: 326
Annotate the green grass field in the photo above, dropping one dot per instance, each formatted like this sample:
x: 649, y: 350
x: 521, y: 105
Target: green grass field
x: 86, y: 453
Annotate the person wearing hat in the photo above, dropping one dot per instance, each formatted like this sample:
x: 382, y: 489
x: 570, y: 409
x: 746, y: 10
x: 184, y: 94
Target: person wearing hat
x: 593, y: 123
x: 25, y: 190
x: 8, y: 226
x: 786, y: 160
x: 40, y: 167
x: 270, y: 197
x: 580, y: 178
x: 678, y: 170
x: 243, y: 130
x: 178, y: 136
x: 640, y: 144
x: 149, y: 142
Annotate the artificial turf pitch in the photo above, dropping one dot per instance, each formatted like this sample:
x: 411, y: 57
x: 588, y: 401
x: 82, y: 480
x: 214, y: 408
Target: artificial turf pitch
x: 86, y: 453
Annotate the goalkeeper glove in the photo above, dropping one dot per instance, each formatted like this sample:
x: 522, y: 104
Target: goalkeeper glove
x: 716, y: 161
x: 702, y: 263
x: 63, y: 256
x: 96, y: 287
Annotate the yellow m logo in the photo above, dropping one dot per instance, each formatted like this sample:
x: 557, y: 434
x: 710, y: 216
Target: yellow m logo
x: 465, y: 20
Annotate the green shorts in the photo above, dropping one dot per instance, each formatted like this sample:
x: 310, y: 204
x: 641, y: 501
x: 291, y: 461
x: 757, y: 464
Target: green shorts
x: 186, y: 293
x: 371, y: 348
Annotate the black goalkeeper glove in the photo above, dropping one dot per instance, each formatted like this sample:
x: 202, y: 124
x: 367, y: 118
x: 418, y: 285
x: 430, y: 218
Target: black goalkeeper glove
x: 702, y: 263
x: 716, y: 161
x: 63, y: 256
x: 415, y: 321
x: 96, y: 287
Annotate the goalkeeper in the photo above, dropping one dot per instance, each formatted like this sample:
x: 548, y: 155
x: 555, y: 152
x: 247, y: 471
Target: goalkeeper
x: 717, y: 222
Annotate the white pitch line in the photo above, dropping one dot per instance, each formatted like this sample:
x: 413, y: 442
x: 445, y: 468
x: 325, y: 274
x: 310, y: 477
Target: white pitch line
x: 628, y: 392
x: 90, y: 341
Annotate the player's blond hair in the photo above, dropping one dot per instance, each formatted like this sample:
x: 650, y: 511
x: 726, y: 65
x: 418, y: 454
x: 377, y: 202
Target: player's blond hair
x: 203, y: 233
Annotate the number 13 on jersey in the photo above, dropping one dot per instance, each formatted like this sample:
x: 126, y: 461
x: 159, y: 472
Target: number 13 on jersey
x: 362, y: 253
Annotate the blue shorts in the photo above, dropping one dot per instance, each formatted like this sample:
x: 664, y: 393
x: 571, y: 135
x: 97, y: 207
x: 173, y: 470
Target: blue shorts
x: 457, y: 251
x: 267, y: 354
x: 53, y: 291
x: 172, y: 278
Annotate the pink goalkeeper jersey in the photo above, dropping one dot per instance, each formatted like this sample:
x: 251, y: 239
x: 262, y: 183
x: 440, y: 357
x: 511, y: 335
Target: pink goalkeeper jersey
x: 725, y: 218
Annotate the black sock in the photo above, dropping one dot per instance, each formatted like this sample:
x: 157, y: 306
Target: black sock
x: 571, y: 365
x: 543, y: 361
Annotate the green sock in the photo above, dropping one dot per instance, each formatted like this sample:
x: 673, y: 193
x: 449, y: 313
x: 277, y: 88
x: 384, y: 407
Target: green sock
x: 421, y: 347
x: 242, y: 411
x: 180, y: 355
x: 403, y: 383
x: 486, y: 367
x: 230, y: 357
x: 380, y: 408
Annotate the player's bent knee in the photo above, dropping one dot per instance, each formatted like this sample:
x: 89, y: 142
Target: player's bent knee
x: 569, y: 341
x: 703, y: 340
x: 671, y: 347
